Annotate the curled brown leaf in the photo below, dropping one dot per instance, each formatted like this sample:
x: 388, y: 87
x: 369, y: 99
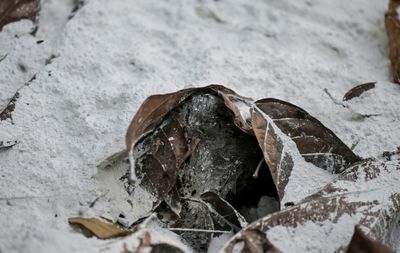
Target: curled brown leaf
x: 277, y: 124
x: 358, y: 90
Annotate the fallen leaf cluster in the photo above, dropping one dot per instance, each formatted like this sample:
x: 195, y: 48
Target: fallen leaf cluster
x: 217, y: 162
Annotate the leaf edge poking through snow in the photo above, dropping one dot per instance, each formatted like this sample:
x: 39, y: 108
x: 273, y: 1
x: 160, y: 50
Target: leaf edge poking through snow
x: 294, y: 177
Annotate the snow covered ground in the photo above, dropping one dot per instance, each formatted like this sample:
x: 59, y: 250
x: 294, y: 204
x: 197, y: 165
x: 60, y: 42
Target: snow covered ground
x: 113, y: 54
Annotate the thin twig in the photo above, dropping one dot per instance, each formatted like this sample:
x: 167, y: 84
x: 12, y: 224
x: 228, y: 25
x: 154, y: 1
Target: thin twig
x: 199, y: 230
x: 260, y: 163
x: 3, y: 57
x: 347, y: 106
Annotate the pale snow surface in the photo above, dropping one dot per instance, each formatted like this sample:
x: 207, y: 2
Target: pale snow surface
x: 113, y: 54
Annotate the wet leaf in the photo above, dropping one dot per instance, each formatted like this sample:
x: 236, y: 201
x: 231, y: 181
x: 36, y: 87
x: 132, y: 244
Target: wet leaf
x: 225, y: 211
x: 367, y: 194
x: 360, y: 243
x: 288, y: 136
x: 392, y: 24
x: 100, y: 229
x: 15, y: 10
x: 358, y: 90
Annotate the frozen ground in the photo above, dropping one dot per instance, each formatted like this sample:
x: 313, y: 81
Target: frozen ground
x: 113, y: 54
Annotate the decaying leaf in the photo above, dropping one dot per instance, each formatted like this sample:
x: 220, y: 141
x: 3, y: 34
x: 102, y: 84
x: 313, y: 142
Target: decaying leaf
x: 360, y: 243
x: 289, y: 136
x: 392, y: 23
x: 358, y: 90
x: 100, y: 229
x: 367, y: 194
x: 14, y: 10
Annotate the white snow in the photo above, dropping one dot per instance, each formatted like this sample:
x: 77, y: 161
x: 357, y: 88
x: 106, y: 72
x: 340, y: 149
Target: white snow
x: 113, y: 54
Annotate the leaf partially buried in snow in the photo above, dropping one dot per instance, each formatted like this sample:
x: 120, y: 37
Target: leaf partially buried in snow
x: 100, y: 229
x: 360, y: 243
x: 14, y: 10
x: 288, y: 136
x: 367, y: 194
x: 358, y: 90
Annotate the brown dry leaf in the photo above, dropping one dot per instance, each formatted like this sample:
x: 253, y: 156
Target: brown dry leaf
x: 360, y: 243
x: 14, y: 10
x: 166, y: 150
x: 100, y: 229
x: 367, y: 194
x: 278, y: 125
x: 358, y: 90
x: 392, y: 23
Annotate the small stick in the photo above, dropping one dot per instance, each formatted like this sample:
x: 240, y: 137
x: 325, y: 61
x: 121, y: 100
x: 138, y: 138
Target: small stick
x: 199, y: 230
x: 347, y: 106
x: 260, y: 163
x: 3, y: 57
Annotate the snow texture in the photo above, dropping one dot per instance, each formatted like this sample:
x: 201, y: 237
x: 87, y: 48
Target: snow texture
x: 113, y: 54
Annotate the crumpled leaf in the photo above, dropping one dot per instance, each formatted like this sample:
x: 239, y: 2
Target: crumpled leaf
x: 100, y: 229
x: 358, y: 90
x: 360, y: 243
x: 367, y: 194
x: 288, y: 136
x: 392, y: 24
x: 14, y: 10
x: 223, y: 210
